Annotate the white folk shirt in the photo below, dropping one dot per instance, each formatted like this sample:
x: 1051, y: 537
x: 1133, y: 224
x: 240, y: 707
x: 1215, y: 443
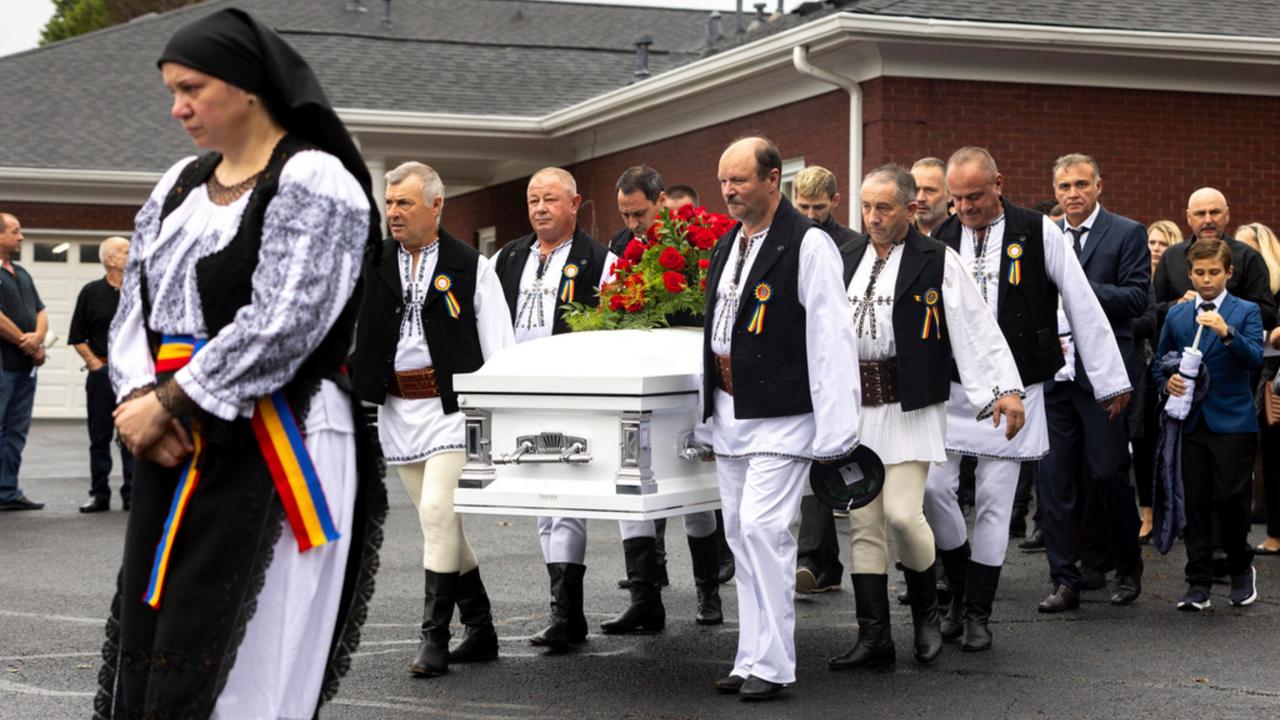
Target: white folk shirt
x: 538, y: 300
x: 831, y: 430
x: 986, y: 365
x: 1095, y: 343
x: 413, y: 430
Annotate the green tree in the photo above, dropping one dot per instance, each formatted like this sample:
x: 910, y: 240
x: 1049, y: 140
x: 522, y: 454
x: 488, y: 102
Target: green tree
x: 77, y: 17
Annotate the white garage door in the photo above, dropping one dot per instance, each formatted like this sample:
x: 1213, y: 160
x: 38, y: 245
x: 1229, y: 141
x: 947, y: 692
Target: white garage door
x: 58, y: 277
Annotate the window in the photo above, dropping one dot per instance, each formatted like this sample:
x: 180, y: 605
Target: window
x: 89, y: 254
x: 50, y: 252
x: 487, y: 240
x: 790, y: 168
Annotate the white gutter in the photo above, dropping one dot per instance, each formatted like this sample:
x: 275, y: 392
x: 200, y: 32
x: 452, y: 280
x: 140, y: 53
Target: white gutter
x: 800, y: 58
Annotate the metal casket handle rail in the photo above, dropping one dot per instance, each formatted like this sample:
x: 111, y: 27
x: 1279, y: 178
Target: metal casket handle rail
x: 546, y: 448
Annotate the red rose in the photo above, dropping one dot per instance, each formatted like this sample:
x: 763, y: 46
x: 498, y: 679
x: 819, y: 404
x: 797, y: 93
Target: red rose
x: 621, y: 265
x: 674, y: 281
x: 704, y: 263
x: 702, y: 237
x: 617, y: 302
x: 686, y: 212
x: 652, y: 233
x: 635, y: 251
x: 636, y: 306
x: 702, y: 284
x: 671, y: 258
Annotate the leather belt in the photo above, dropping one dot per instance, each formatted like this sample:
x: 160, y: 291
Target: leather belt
x: 879, y: 381
x: 415, y: 384
x: 724, y: 372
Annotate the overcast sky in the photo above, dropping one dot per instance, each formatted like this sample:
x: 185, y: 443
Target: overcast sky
x: 22, y: 19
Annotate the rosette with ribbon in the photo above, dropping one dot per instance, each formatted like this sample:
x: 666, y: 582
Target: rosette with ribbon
x: 567, y: 286
x: 932, y: 315
x: 762, y: 294
x: 444, y: 285
x: 1015, y: 263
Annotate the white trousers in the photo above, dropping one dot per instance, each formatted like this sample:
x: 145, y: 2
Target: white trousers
x: 996, y: 481
x: 696, y: 525
x: 760, y: 497
x: 563, y: 539
x: 430, y: 484
x: 900, y: 505
x: 280, y: 665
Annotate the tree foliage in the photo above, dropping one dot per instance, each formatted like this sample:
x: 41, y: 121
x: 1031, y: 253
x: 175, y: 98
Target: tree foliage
x: 77, y: 17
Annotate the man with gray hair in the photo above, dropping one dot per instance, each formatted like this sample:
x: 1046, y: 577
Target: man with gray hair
x: 432, y: 308
x: 90, y: 326
x: 933, y: 202
x: 916, y: 312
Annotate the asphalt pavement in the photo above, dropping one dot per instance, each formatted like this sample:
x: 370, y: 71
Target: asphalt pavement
x: 57, y: 575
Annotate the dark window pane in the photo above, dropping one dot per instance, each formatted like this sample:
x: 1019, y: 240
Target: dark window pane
x: 88, y: 253
x: 44, y: 252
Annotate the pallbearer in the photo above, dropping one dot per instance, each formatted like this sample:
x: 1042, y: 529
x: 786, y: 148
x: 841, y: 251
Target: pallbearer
x: 917, y: 315
x: 433, y: 308
x: 778, y: 379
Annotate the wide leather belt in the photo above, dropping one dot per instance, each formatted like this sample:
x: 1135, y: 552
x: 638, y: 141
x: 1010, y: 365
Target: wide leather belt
x: 724, y: 371
x: 415, y: 384
x: 879, y: 381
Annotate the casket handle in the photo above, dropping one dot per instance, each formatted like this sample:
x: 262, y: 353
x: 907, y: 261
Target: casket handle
x: 547, y: 447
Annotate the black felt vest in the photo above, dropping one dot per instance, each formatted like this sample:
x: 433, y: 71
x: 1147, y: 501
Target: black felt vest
x: 585, y: 253
x: 770, y: 369
x: 1028, y: 311
x: 224, y: 279
x: 924, y: 364
x: 454, y: 342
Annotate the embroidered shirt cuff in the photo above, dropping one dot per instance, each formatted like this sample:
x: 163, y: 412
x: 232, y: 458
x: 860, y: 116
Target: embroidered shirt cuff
x: 822, y: 457
x: 131, y: 387
x: 989, y: 409
x: 1116, y: 394
x: 202, y: 397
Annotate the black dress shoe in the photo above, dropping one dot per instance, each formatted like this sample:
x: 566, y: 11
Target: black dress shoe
x: 1061, y: 599
x: 729, y: 684
x: 1033, y: 543
x: 96, y: 505
x: 756, y: 690
x: 22, y: 502
x: 1127, y: 589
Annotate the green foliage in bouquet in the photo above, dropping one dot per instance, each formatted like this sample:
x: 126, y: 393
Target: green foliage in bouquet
x: 664, y: 275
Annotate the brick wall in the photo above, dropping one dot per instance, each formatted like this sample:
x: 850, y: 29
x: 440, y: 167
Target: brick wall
x: 65, y: 216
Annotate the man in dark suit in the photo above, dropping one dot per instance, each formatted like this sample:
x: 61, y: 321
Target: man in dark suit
x: 1207, y: 216
x: 1113, y: 252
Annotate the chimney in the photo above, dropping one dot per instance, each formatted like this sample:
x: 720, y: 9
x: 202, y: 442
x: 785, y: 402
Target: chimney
x: 386, y: 13
x: 642, y: 56
x: 741, y: 26
x: 713, y: 33
x: 760, y: 16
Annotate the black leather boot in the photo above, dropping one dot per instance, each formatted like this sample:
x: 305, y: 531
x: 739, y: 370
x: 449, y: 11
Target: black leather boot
x: 479, y: 641
x: 646, y: 613
x: 979, y: 592
x: 568, y: 625
x: 955, y: 563
x: 727, y: 565
x: 874, y: 648
x: 437, y: 611
x: 705, y: 554
x: 923, y: 587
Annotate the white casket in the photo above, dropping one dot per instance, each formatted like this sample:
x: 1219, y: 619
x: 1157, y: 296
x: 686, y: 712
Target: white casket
x: 592, y: 424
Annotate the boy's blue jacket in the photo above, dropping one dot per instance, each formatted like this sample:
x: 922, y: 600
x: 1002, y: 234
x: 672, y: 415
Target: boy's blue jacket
x: 1228, y: 408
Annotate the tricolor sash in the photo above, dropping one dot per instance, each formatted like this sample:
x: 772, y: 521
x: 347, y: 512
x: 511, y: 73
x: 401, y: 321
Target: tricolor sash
x: 285, y: 452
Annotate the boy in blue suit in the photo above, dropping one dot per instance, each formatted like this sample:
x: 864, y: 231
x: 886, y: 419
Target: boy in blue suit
x: 1219, y: 437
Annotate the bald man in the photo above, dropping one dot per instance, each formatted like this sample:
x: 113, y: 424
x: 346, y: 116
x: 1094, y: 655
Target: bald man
x: 90, y: 325
x: 1207, y: 216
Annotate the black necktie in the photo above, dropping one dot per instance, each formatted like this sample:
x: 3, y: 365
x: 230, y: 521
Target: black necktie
x: 1207, y: 307
x: 1076, y: 234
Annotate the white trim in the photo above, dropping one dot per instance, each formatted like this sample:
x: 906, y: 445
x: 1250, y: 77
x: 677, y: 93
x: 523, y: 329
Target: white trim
x: 77, y: 187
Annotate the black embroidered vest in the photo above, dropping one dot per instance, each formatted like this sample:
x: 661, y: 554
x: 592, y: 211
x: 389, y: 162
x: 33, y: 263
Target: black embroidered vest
x: 1028, y: 308
x: 585, y: 254
x: 919, y: 320
x: 770, y: 368
x: 454, y: 343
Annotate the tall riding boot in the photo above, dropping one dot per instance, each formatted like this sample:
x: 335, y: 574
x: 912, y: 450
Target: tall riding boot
x: 923, y: 587
x: 955, y: 562
x: 875, y: 643
x: 706, y: 567
x: 727, y: 565
x: 978, y: 595
x: 437, y: 611
x: 646, y: 613
x: 479, y: 642
x: 568, y: 626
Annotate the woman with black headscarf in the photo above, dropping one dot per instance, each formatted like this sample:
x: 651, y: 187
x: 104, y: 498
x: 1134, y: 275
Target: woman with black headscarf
x: 253, y: 537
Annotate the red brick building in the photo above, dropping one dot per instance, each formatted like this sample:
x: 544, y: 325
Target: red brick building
x: 488, y: 91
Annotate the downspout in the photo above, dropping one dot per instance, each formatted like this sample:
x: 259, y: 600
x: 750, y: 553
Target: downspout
x: 800, y: 57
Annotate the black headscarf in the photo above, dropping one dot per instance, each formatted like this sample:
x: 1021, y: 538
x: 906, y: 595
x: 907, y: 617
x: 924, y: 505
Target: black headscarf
x: 234, y: 47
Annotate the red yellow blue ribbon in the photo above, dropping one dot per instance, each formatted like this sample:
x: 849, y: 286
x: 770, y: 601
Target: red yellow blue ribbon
x: 932, y: 316
x: 282, y: 446
x: 567, y: 287
x: 762, y: 294
x: 1015, y: 263
x: 444, y: 284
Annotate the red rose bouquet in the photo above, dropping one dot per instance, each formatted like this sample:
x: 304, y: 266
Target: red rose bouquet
x: 659, y: 277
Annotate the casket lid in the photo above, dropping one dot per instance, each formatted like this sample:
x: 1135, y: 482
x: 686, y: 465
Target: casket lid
x: 605, y: 362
